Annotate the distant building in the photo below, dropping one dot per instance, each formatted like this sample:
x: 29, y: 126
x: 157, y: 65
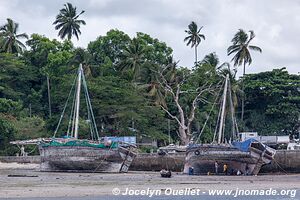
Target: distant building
x: 272, y: 141
x: 247, y: 135
x: 141, y: 140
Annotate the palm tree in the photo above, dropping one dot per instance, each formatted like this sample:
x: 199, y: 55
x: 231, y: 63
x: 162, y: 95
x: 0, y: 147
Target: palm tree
x: 82, y: 56
x: 211, y: 63
x: 241, y: 47
x: 67, y: 22
x: 133, y: 58
x: 194, y: 37
x: 151, y: 77
x: 211, y: 59
x: 9, y: 39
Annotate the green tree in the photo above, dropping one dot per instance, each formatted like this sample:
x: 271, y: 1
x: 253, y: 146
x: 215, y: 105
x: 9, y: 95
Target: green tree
x: 10, y: 39
x: 274, y: 102
x: 47, y: 56
x: 150, y: 84
x: 9, y: 110
x: 7, y: 132
x: 16, y: 79
x: 109, y: 47
x: 117, y: 104
x: 194, y: 37
x: 67, y: 22
x: 156, y: 52
x: 133, y: 58
x: 82, y: 56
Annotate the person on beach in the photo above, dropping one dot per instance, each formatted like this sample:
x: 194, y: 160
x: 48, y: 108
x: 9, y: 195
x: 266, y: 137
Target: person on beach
x: 216, y: 167
x: 23, y: 151
x: 247, y: 170
x: 225, y: 169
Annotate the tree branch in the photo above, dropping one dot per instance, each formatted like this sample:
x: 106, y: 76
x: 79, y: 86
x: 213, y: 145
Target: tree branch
x: 172, y: 116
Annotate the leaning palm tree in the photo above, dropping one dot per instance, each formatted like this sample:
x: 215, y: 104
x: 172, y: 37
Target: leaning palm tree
x: 151, y: 78
x: 9, y: 39
x: 194, y: 37
x: 241, y: 47
x: 67, y: 22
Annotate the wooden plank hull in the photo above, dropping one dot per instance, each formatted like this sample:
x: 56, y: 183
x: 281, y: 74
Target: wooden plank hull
x: 85, y: 159
x: 202, y: 159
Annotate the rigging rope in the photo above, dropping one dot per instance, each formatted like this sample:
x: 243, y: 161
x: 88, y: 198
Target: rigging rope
x: 74, y: 111
x: 219, y: 116
x: 207, y: 118
x: 62, y: 115
x: 91, y: 118
x: 278, y: 164
x: 235, y: 129
x: 71, y: 114
x: 90, y: 106
x: 105, y: 157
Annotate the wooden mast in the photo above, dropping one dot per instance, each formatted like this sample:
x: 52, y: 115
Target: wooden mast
x: 223, y: 110
x: 77, y: 102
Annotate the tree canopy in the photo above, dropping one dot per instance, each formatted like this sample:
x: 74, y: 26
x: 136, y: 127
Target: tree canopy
x: 136, y: 86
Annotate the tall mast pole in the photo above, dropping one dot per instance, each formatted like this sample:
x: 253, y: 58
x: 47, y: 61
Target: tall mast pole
x: 78, y: 101
x: 234, y: 130
x: 223, y: 110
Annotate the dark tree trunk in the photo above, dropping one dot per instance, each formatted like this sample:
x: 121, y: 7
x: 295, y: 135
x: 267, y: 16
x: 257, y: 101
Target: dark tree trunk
x: 195, y: 55
x: 49, y: 96
x: 243, y: 96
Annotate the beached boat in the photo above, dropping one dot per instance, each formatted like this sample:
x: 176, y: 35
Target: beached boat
x: 246, y: 157
x: 82, y: 155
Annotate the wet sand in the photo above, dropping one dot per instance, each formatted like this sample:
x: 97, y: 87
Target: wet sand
x: 33, y: 183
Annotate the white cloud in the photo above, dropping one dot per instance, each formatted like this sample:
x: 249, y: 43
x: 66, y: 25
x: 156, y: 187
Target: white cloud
x: 275, y: 22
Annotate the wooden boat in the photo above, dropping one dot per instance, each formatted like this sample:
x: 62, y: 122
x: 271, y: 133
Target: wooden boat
x: 82, y: 155
x: 247, y: 157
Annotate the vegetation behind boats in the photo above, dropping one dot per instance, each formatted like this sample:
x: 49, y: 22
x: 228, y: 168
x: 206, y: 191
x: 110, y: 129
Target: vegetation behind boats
x: 127, y: 96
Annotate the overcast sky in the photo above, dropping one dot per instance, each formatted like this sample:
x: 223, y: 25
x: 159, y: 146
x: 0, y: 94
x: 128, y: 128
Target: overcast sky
x: 276, y: 24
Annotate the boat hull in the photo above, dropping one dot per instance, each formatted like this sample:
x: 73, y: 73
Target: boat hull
x: 85, y: 159
x: 202, y: 159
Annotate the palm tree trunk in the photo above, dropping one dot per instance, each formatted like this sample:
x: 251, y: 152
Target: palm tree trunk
x: 195, y: 55
x: 49, y: 97
x: 243, y: 97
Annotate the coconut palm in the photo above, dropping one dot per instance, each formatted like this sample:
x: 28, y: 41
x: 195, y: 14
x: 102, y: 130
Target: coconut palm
x: 194, y: 37
x: 211, y: 63
x: 241, y: 47
x: 133, y: 58
x: 82, y: 56
x: 9, y: 39
x: 67, y: 22
x: 211, y: 59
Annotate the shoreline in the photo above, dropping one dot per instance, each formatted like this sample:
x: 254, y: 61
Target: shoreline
x: 33, y: 183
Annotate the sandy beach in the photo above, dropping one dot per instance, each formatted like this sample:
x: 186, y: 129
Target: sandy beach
x: 25, y: 181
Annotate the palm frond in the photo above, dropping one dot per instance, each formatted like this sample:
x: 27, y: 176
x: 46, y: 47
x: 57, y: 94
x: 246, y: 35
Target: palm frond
x: 67, y: 22
x: 255, y: 48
